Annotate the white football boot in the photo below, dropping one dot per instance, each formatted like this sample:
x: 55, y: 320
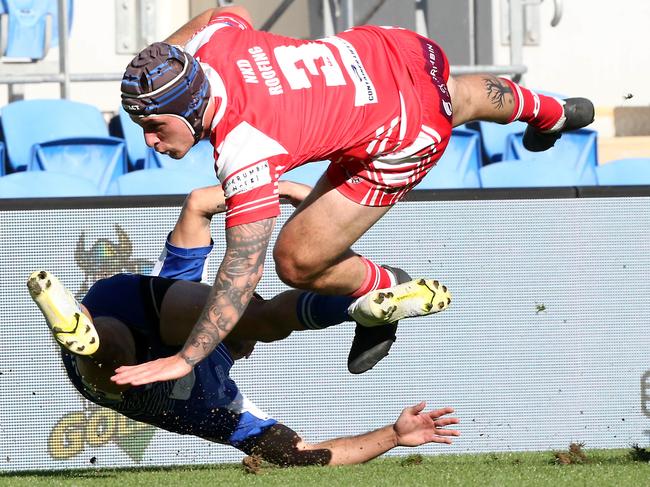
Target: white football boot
x: 72, y: 329
x: 419, y: 297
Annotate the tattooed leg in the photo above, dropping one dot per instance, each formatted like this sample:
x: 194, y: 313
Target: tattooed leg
x: 480, y: 97
x: 496, y: 91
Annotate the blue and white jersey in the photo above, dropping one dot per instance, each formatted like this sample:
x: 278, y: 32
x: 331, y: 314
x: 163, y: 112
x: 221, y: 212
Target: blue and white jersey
x: 181, y: 263
x: 205, y: 403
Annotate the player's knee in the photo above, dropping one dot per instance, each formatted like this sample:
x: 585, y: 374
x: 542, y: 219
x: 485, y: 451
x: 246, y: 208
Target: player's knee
x: 293, y: 275
x: 295, y: 269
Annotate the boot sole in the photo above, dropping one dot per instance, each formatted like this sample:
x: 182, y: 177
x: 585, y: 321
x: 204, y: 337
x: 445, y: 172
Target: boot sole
x: 72, y: 329
x: 420, y: 297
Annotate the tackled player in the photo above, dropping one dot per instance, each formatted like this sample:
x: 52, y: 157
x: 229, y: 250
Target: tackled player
x: 130, y: 319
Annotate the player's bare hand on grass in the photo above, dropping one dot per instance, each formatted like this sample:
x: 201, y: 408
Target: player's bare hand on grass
x: 162, y: 369
x: 415, y: 427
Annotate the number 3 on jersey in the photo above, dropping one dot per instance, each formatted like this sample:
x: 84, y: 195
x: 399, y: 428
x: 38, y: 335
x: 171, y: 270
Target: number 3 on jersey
x: 308, y: 55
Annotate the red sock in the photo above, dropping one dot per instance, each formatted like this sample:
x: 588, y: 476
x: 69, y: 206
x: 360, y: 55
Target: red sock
x: 377, y: 277
x: 541, y: 111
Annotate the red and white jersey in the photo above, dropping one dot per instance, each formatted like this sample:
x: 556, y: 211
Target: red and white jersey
x: 282, y: 102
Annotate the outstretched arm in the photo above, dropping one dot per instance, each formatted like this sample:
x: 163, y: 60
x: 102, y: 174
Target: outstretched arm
x: 185, y: 33
x: 192, y: 228
x: 414, y: 427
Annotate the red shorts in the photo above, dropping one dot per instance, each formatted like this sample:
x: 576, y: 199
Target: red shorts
x: 384, y: 179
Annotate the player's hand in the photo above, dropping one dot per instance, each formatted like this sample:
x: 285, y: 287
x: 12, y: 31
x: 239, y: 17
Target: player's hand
x: 415, y: 427
x: 294, y: 192
x: 206, y: 201
x: 168, y: 368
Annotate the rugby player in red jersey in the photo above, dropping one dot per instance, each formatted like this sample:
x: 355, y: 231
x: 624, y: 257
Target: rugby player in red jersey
x: 378, y: 102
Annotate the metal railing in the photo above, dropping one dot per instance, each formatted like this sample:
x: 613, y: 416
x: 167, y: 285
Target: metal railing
x: 337, y: 15
x: 517, y: 28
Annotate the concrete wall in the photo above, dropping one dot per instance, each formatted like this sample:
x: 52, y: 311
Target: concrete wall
x: 599, y: 50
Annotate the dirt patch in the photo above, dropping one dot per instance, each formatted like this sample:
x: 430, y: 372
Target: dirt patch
x: 575, y: 455
x: 252, y: 464
x: 411, y: 460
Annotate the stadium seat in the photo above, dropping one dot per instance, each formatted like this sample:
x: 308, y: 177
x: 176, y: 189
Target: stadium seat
x: 53, y: 4
x: 494, y: 136
x: 2, y: 159
x: 99, y: 159
x: 60, y: 127
x: 30, y: 27
x: 459, y: 165
x: 307, y: 173
x: 624, y: 172
x: 200, y: 158
x: 529, y: 173
x: 160, y: 181
x: 578, y: 148
x: 136, y: 148
x: 45, y: 184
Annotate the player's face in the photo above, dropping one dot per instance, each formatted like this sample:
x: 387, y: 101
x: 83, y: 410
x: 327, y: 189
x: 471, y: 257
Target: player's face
x: 167, y: 135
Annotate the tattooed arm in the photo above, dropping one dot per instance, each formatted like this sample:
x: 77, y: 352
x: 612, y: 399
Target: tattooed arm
x: 238, y: 275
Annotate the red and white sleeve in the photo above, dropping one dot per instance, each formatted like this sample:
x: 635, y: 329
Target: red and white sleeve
x: 249, y: 166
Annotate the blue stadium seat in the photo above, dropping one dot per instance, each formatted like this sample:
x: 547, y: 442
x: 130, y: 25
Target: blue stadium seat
x: 529, y: 173
x: 136, y: 148
x: 32, y: 27
x: 99, y: 159
x: 200, y: 158
x: 160, y: 181
x: 307, y: 173
x: 52, y: 7
x: 494, y: 136
x: 45, y: 184
x: 633, y: 171
x: 2, y: 159
x: 51, y: 121
x: 459, y: 165
x: 578, y: 148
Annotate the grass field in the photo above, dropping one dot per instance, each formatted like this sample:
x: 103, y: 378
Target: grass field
x: 588, y: 468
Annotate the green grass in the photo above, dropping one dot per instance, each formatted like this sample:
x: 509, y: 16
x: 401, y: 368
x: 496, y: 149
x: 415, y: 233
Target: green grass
x: 601, y: 468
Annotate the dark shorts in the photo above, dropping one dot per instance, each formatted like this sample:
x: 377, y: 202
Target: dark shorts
x: 138, y: 307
